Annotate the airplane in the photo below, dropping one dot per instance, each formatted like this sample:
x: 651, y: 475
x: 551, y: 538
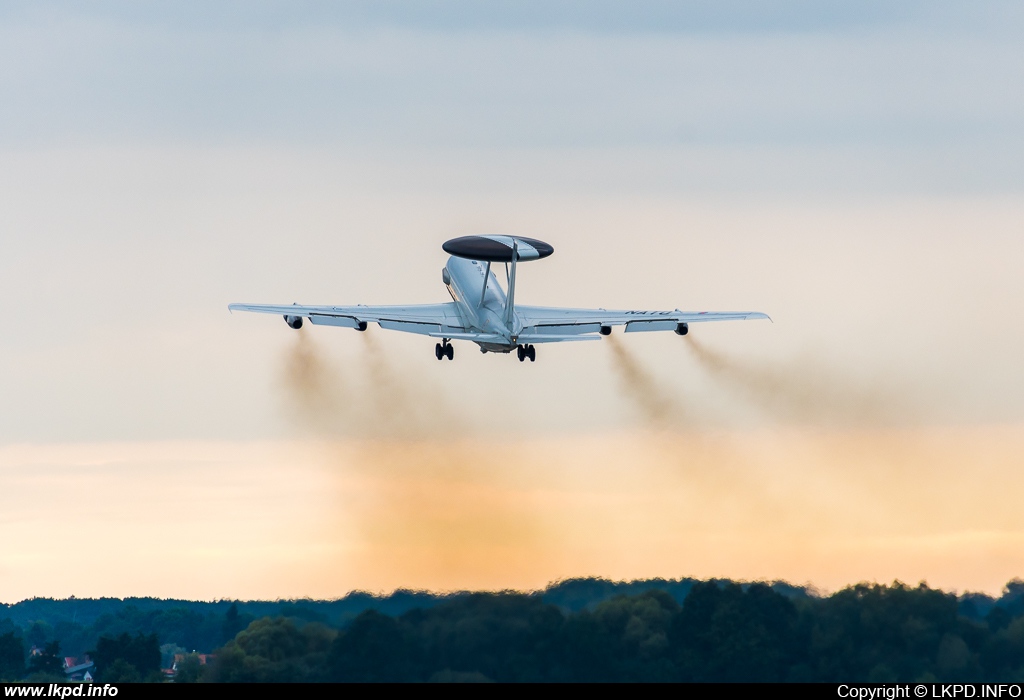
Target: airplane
x: 482, y: 312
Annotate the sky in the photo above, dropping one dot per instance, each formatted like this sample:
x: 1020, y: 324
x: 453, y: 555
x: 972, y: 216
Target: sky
x: 855, y: 171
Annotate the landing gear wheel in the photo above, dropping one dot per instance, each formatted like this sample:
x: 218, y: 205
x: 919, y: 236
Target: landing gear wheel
x: 439, y: 351
x: 531, y: 352
x: 520, y: 352
x: 449, y: 351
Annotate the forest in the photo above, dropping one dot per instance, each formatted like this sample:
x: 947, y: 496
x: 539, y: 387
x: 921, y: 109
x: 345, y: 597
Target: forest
x: 575, y: 630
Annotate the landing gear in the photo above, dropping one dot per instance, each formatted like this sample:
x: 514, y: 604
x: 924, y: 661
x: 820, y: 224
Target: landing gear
x: 444, y: 349
x: 526, y: 351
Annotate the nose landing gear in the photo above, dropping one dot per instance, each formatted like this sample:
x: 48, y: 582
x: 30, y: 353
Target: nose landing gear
x: 526, y: 351
x: 444, y: 349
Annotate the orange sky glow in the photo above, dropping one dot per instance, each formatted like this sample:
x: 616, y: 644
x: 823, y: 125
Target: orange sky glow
x: 321, y: 518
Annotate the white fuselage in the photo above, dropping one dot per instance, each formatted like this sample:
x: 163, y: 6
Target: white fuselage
x: 483, y: 309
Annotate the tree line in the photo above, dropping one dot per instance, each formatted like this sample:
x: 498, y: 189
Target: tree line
x: 589, y: 630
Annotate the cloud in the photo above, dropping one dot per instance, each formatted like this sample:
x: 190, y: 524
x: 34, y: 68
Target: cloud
x: 800, y: 77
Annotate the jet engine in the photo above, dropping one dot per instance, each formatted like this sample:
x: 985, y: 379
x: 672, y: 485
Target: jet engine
x: 294, y: 321
x: 682, y: 329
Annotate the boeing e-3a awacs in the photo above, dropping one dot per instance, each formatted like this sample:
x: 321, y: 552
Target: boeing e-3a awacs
x: 482, y: 312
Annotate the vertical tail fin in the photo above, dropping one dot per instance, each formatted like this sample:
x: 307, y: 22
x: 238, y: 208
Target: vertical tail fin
x: 510, y: 300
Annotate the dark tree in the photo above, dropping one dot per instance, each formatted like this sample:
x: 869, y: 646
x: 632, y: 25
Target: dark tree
x: 12, y: 657
x: 274, y: 650
x: 724, y: 633
x: 120, y: 671
x: 141, y: 653
x: 39, y: 632
x: 374, y: 648
x: 635, y: 643
x: 504, y: 636
x: 893, y: 633
x: 585, y: 650
x: 234, y: 622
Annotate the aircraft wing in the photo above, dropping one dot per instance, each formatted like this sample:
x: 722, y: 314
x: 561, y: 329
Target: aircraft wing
x: 544, y: 320
x: 436, y: 320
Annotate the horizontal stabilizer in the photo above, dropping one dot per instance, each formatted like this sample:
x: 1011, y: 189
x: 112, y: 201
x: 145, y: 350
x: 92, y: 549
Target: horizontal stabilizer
x: 547, y: 338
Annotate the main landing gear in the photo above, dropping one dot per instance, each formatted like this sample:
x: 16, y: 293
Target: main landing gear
x: 444, y: 349
x: 524, y: 351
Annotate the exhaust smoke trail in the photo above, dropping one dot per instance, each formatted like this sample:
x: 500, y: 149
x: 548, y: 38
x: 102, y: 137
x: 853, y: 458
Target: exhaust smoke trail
x: 409, y: 506
x: 638, y: 384
x: 416, y: 498
x: 406, y: 482
x: 317, y: 392
x: 803, y: 391
x: 373, y: 398
x: 696, y: 459
x: 395, y: 409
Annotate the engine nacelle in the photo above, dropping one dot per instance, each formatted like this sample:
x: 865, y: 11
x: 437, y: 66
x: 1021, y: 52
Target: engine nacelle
x: 294, y: 321
x: 606, y: 330
x: 361, y: 326
x: 682, y: 329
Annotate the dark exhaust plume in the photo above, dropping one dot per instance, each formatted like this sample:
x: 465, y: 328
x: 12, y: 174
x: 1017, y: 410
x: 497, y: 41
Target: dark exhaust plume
x: 403, y: 405
x: 371, y: 398
x: 395, y: 408
x: 408, y: 482
x: 315, y: 388
x: 803, y: 391
x: 655, y: 404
